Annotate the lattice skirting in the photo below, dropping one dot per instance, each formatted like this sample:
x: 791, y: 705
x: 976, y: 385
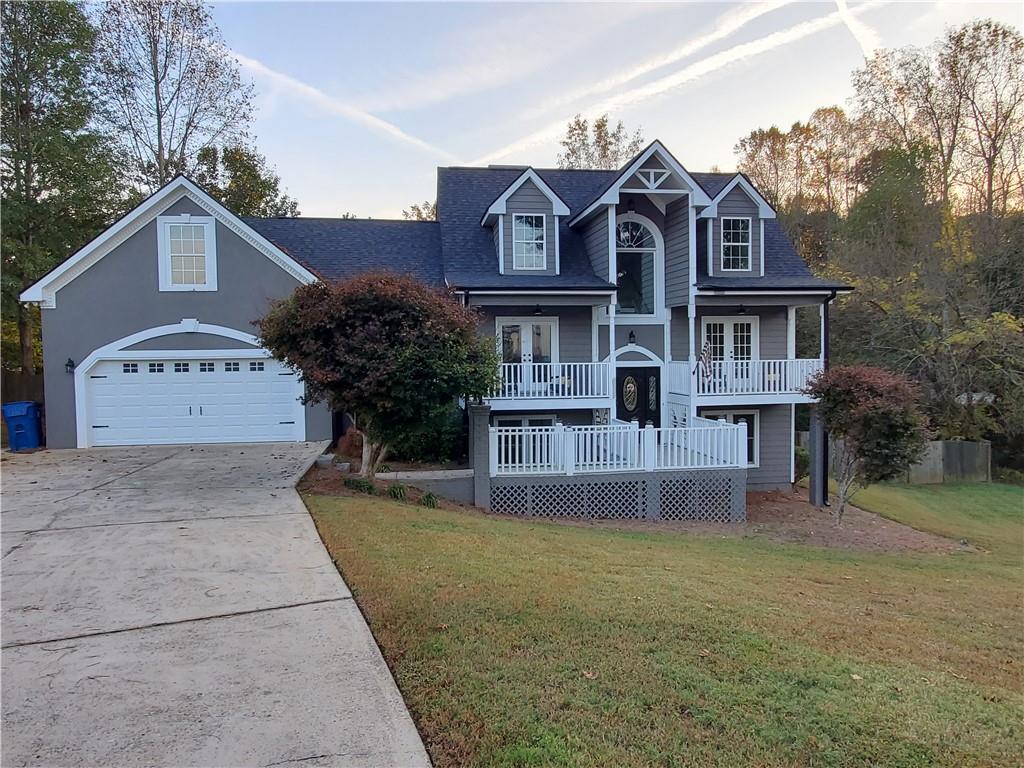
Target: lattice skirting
x: 717, y: 495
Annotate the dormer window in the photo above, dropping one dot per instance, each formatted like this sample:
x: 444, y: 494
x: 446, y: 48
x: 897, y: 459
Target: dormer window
x: 187, y: 248
x: 529, y: 249
x: 735, y: 244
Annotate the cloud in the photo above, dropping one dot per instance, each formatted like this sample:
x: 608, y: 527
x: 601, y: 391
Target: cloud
x: 333, y: 106
x: 726, y: 25
x: 865, y: 36
x: 481, y: 60
x: 554, y: 130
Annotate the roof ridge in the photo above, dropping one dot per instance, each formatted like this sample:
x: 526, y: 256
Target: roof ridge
x: 338, y: 218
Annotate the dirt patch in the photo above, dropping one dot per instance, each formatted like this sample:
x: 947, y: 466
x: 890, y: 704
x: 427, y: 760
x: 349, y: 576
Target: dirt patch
x: 790, y: 518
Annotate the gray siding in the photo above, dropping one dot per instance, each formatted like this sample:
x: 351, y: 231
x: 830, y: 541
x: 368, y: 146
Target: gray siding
x: 680, y: 333
x: 575, y: 417
x: 595, y: 241
x: 119, y: 296
x: 677, y: 253
x: 736, y: 203
x: 775, y: 446
x: 529, y: 199
x: 575, y: 337
x: 771, y: 321
x: 651, y: 337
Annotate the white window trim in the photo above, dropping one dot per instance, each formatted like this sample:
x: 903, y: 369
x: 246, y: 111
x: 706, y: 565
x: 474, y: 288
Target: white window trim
x: 729, y: 415
x: 660, y: 315
x: 164, y: 251
x: 755, y: 329
x: 722, y: 243
x: 544, y: 234
x: 523, y: 419
x: 499, y: 322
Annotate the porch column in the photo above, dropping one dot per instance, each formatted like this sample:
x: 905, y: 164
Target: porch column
x: 691, y: 362
x: 479, y: 453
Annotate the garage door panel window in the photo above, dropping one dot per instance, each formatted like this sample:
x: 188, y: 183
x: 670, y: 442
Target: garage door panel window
x: 188, y: 253
x: 181, y: 367
x: 130, y: 368
x: 231, y: 367
x: 156, y: 367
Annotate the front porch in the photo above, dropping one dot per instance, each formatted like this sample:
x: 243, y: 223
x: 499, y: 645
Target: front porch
x: 734, y: 382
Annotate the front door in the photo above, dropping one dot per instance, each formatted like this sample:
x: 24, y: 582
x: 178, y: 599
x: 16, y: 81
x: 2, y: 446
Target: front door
x: 532, y: 345
x: 638, y: 395
x: 733, y: 345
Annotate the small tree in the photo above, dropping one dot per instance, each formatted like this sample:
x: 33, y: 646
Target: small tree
x: 239, y: 177
x: 605, y: 148
x: 874, y: 417
x: 425, y: 211
x: 386, y: 349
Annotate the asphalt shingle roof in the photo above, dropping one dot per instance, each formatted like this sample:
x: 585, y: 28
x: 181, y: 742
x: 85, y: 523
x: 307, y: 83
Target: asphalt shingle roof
x: 458, y: 249
x: 463, y: 197
x: 335, y: 249
x: 783, y: 267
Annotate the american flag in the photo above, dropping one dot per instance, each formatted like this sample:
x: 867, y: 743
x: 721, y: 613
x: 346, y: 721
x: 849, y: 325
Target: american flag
x: 705, y: 359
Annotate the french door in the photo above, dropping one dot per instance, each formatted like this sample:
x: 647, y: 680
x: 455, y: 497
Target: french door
x: 733, y: 346
x: 528, y: 348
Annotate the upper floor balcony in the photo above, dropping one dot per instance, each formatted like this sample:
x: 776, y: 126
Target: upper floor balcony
x: 727, y: 382
x: 551, y: 385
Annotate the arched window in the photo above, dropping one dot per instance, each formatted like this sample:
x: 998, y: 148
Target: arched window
x: 634, y: 253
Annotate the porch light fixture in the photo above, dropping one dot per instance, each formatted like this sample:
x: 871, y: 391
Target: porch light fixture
x: 69, y: 366
x: 742, y: 310
x: 632, y: 337
x: 630, y: 205
x: 537, y: 311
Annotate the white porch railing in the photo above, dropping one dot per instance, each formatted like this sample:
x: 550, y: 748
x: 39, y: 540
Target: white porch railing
x: 561, y: 450
x: 745, y: 377
x: 543, y: 381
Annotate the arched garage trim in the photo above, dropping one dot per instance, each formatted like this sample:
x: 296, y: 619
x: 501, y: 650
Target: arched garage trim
x: 118, y: 350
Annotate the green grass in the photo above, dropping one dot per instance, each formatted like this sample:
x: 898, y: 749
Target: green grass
x: 521, y: 643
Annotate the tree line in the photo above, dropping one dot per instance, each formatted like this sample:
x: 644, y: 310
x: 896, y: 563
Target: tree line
x: 101, y: 106
x: 915, y: 196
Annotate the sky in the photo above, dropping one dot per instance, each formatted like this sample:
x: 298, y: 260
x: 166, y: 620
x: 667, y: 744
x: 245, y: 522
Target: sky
x: 358, y: 103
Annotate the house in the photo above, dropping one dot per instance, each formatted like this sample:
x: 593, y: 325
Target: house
x: 645, y: 319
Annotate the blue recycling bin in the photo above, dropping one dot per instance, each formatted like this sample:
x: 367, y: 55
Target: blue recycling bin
x: 23, y: 427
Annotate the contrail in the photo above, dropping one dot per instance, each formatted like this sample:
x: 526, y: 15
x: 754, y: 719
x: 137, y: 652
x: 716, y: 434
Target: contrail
x: 725, y: 27
x: 335, y: 106
x: 685, y: 75
x: 865, y: 36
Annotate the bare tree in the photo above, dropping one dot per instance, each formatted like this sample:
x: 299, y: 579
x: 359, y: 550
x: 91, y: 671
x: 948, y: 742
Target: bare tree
x: 601, y: 148
x: 763, y: 155
x: 172, y: 86
x: 989, y: 60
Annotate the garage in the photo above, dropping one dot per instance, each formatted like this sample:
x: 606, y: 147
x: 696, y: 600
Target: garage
x: 194, y: 398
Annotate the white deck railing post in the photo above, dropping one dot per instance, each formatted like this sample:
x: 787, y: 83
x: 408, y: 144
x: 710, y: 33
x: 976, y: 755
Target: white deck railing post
x: 650, y: 448
x: 740, y: 458
x: 566, y: 441
x: 492, y: 450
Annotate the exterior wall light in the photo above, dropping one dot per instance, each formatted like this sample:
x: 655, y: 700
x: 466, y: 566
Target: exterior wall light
x: 537, y: 311
x: 632, y: 337
x: 69, y: 366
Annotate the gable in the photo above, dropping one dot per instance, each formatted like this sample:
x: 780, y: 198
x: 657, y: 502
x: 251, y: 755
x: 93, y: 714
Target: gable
x: 177, y: 192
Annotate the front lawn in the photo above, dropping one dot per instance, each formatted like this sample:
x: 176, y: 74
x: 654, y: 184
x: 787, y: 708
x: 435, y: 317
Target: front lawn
x: 520, y: 643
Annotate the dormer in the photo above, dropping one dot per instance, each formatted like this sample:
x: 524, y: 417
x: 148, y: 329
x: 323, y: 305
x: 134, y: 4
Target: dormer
x: 524, y: 220
x: 733, y: 230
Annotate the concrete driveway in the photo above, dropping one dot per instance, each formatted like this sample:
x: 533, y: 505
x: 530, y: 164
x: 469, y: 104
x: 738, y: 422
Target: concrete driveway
x: 175, y: 606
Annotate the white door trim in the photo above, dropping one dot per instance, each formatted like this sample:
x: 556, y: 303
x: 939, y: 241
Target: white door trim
x: 731, y: 320
x: 534, y: 319
x: 117, y: 350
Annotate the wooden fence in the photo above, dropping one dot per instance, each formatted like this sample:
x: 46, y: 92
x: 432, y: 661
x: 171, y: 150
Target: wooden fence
x: 15, y: 386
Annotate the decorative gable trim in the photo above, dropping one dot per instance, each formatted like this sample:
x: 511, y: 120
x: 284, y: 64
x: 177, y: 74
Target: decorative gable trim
x: 611, y: 194
x: 44, y: 292
x: 764, y: 210
x: 498, y: 207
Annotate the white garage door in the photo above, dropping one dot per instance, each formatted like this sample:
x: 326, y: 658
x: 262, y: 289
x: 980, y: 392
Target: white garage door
x: 182, y: 400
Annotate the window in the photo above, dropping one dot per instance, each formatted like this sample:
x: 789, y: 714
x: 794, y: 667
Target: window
x: 181, y: 367
x: 188, y: 253
x: 634, y: 256
x: 206, y: 367
x: 750, y: 418
x: 528, y: 242
x: 156, y: 367
x: 524, y: 421
x: 735, y: 244
x: 129, y: 368
x: 231, y: 367
x: 256, y: 366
